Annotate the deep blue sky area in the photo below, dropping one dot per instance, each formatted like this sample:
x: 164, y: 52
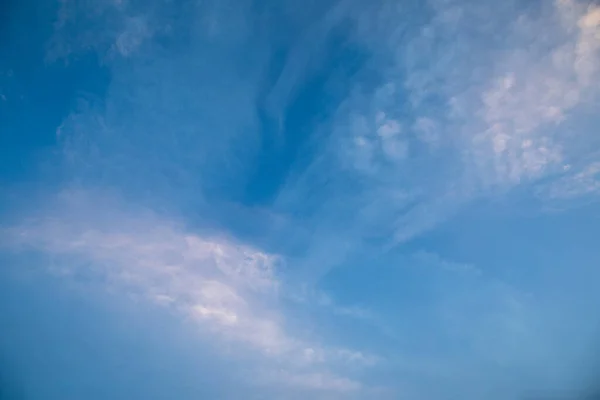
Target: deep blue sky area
x: 39, y: 95
x: 261, y: 199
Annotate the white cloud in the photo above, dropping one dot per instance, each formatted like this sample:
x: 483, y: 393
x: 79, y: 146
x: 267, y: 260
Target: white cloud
x: 229, y: 289
x: 487, y: 92
x: 110, y: 28
x: 375, y: 141
x: 536, y: 85
x: 432, y: 259
x: 486, y: 86
x: 136, y: 30
x: 427, y: 130
x: 388, y: 129
x: 584, y: 182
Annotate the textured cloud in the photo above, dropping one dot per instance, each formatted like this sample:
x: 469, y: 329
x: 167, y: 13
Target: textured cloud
x: 261, y: 152
x: 475, y: 101
x: 584, y: 182
x: 509, y: 121
x: 469, y: 101
x: 229, y: 289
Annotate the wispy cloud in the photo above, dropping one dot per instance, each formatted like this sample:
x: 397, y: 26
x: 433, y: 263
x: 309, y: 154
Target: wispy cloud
x: 316, y: 381
x: 229, y: 289
x: 449, y: 121
x: 459, y: 102
x: 475, y: 102
x: 584, y: 182
x: 431, y: 259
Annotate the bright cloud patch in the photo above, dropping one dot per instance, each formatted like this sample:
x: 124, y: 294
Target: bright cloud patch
x: 475, y: 101
x: 230, y: 289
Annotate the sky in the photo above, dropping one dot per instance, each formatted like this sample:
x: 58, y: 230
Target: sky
x: 275, y: 199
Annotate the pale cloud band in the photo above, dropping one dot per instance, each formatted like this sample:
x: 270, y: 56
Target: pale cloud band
x: 229, y: 289
x: 468, y: 112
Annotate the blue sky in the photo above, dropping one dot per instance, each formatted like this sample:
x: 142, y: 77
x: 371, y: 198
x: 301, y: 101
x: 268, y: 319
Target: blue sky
x: 261, y: 199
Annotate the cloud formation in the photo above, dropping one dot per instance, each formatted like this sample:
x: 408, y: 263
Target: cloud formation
x: 257, y: 153
x: 474, y: 102
x: 229, y: 289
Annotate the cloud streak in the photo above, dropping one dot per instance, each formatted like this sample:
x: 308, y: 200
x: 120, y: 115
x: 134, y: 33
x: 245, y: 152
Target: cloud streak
x: 475, y: 102
x: 366, y: 126
x: 229, y: 289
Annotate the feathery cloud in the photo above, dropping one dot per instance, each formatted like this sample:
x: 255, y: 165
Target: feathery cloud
x: 229, y: 289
